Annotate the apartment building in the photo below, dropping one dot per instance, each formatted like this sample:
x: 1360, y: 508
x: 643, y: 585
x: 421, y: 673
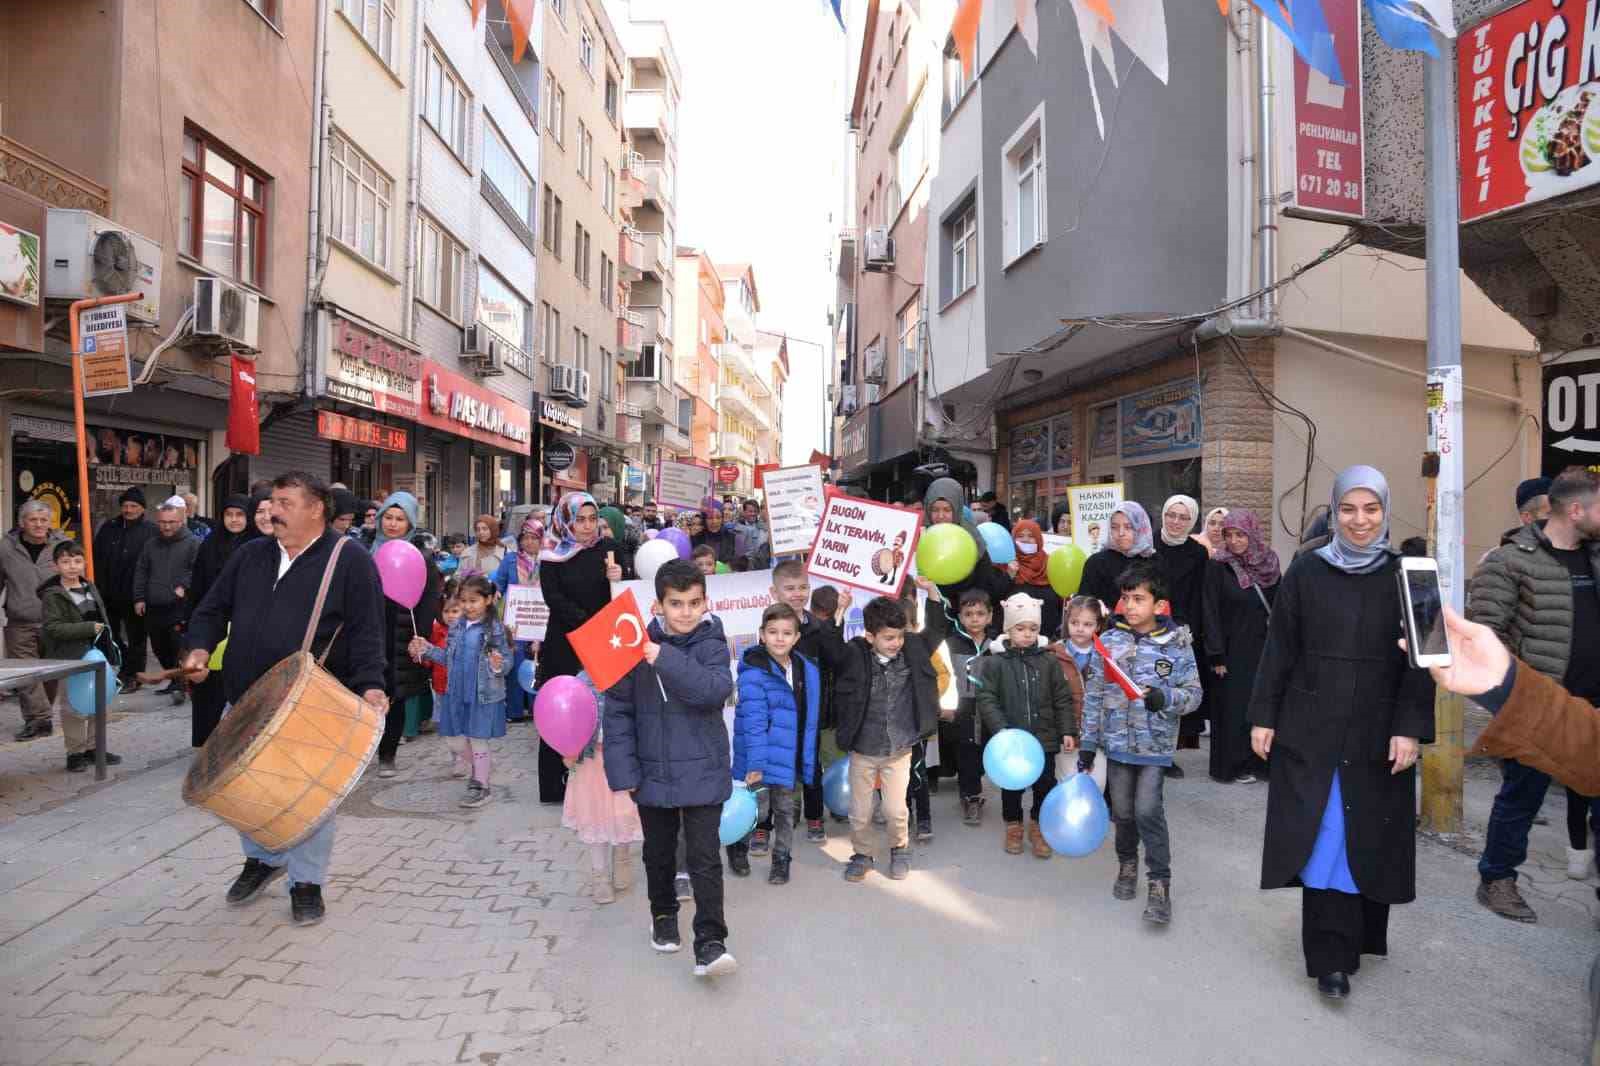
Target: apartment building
x: 135, y: 155
x: 743, y: 396
x: 699, y: 333
x: 772, y: 363
x: 580, y: 224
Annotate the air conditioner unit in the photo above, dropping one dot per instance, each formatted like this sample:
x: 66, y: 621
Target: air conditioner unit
x: 583, y: 386
x: 226, y: 312
x: 482, y: 348
x: 880, y: 249
x: 873, y: 370
x: 93, y: 256
x: 869, y: 393
x: 600, y: 471
x: 848, y: 403
x: 564, y: 384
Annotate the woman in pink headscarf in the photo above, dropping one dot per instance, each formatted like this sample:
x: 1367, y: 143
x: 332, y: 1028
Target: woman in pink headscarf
x: 1240, y: 585
x: 520, y: 567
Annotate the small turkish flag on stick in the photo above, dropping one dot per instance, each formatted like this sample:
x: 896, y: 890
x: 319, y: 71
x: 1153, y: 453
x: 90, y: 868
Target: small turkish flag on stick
x: 1117, y: 674
x: 612, y: 642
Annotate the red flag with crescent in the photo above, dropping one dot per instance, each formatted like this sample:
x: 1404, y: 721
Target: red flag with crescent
x: 612, y: 642
x: 1116, y: 674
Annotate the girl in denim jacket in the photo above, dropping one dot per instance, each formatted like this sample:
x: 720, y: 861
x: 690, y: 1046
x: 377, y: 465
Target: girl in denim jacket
x: 478, y: 655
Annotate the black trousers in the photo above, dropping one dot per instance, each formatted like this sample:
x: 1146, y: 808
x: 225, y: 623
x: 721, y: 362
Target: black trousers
x: 206, y: 702
x: 553, y: 776
x: 699, y: 826
x: 394, y: 724
x: 1337, y: 928
x: 917, y: 786
x: 162, y: 624
x: 969, y: 767
x: 1011, y: 799
x: 813, y: 809
x: 129, y: 629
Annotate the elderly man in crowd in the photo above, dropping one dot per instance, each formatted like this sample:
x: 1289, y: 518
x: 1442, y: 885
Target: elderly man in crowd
x: 161, y: 581
x: 117, y: 546
x: 26, y: 563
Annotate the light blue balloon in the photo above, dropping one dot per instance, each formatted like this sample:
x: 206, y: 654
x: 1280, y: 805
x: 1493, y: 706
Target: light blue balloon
x: 1013, y: 759
x: 525, y: 675
x: 738, y: 817
x: 80, y: 687
x: 1074, y: 818
x: 836, y: 788
x: 1002, y: 549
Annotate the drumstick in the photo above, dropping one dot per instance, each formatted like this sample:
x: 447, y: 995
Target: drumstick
x: 166, y: 675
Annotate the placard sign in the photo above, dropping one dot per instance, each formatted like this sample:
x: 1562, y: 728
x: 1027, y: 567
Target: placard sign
x: 103, y: 338
x: 526, y: 612
x: 865, y: 544
x: 1329, y: 157
x: 794, y: 507
x: 1571, y: 416
x: 682, y: 484
x: 1091, y: 507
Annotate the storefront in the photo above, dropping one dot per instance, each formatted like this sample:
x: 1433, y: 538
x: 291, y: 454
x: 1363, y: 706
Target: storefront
x: 560, y: 432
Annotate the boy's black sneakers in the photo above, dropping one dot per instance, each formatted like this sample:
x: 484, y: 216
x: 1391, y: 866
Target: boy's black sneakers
x: 924, y: 830
x: 305, y: 904
x: 664, y: 933
x: 779, y: 874
x: 760, y: 842
x: 251, y: 880
x: 1158, y: 907
x: 859, y: 865
x: 711, y: 959
x: 739, y: 860
x: 815, y: 832
x: 1126, y: 886
x: 899, y: 863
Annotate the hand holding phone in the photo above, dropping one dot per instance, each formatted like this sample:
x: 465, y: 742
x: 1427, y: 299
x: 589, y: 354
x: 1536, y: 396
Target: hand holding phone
x: 1422, y: 612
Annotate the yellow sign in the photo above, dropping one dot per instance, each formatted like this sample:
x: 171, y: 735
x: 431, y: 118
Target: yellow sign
x: 103, y: 333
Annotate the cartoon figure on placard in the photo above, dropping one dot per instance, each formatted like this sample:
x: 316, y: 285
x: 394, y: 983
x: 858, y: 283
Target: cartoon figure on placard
x: 887, y: 562
x: 1094, y: 537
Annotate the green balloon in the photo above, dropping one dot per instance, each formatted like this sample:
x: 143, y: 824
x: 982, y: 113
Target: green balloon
x: 1065, y: 569
x: 946, y: 553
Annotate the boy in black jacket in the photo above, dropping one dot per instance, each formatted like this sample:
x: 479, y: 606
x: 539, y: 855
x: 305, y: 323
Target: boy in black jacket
x: 886, y: 699
x: 960, y: 731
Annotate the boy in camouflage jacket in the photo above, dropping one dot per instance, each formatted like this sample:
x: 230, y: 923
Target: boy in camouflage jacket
x: 1140, y: 734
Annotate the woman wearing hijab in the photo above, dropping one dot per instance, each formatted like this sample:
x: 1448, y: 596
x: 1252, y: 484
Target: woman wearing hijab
x: 616, y: 526
x: 715, y: 532
x: 233, y: 529
x: 486, y: 553
x: 1240, y: 586
x: 520, y: 567
x: 1210, y: 535
x: 1130, y: 538
x: 576, y: 567
x: 1183, y: 560
x: 404, y: 678
x: 946, y: 501
x: 1028, y: 575
x: 1339, y: 714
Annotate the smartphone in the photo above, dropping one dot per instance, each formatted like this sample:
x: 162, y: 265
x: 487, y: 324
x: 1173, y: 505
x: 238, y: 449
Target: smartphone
x: 1422, y: 607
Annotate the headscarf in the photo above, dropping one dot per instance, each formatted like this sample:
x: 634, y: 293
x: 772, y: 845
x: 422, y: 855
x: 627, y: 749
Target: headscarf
x: 1143, y: 536
x: 490, y: 520
x: 1259, y: 565
x: 1030, y: 568
x: 408, y: 506
x: 615, y: 522
x: 528, y: 565
x: 950, y: 490
x: 1339, y: 552
x: 220, y: 546
x: 1192, y: 506
x: 1203, y: 537
x: 560, y: 544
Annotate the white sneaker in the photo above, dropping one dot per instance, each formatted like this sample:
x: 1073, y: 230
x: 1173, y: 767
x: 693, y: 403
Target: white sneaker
x: 714, y: 961
x: 1580, y: 864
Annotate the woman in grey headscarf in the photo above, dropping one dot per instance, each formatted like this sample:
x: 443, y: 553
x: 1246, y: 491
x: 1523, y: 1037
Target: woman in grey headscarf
x: 1339, y: 713
x: 946, y: 501
x: 1131, y: 537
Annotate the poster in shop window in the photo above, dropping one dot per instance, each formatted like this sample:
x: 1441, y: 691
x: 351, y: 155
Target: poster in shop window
x: 865, y: 544
x: 794, y: 507
x: 682, y: 484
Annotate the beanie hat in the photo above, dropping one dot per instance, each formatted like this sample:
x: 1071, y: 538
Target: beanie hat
x: 344, y: 503
x: 133, y: 495
x: 175, y: 502
x: 1534, y: 486
x: 1021, y: 607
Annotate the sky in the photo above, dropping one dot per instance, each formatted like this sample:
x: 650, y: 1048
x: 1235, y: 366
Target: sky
x: 760, y: 132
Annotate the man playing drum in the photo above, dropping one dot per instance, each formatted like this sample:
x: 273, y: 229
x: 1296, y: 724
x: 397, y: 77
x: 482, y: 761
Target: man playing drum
x: 268, y: 592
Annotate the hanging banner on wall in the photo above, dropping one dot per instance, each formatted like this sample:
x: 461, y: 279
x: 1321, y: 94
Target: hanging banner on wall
x: 1329, y: 148
x: 1091, y: 507
x: 682, y: 484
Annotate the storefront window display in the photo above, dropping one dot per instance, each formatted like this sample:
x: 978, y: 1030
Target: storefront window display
x: 44, y: 467
x: 1043, y: 463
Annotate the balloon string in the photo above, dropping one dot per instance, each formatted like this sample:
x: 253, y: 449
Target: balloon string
x: 413, y: 612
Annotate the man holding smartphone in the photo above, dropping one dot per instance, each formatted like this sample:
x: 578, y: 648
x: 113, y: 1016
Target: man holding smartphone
x: 1538, y: 593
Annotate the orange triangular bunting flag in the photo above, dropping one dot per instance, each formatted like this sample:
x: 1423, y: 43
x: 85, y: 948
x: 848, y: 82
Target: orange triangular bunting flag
x: 520, y: 14
x: 965, y: 31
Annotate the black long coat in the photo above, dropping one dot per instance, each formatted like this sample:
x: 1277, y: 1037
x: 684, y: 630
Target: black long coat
x: 1185, y: 568
x: 1100, y: 575
x: 573, y: 591
x: 1235, y: 633
x: 1335, y: 686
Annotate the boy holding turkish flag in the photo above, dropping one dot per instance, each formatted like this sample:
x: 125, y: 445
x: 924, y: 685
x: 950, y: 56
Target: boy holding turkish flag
x: 667, y: 744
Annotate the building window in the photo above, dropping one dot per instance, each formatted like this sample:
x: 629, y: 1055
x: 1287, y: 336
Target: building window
x: 552, y: 222
x: 443, y: 269
x: 907, y: 324
x: 374, y: 20
x: 611, y: 98
x: 555, y: 111
x: 910, y: 152
x: 268, y: 9
x: 503, y: 311
x: 359, y: 198
x: 608, y: 188
x: 560, y: 8
x: 445, y: 102
x: 1023, y: 201
x: 961, y: 252
x: 224, y: 212
x: 586, y: 49
x: 955, y: 78
x: 585, y: 152
x: 608, y: 280
x: 580, y: 252
x: 506, y: 174
x: 552, y: 334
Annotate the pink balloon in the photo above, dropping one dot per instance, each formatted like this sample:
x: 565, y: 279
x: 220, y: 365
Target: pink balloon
x: 565, y: 714
x: 402, y: 570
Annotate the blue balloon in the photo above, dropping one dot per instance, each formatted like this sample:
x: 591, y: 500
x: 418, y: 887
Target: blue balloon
x: 525, y: 674
x: 836, y: 787
x: 1002, y: 549
x: 738, y: 817
x: 80, y: 687
x: 1074, y: 818
x: 1013, y: 759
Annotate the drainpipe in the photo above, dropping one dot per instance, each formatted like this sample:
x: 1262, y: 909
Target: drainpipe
x: 309, y: 353
x: 413, y: 166
x: 1266, y: 166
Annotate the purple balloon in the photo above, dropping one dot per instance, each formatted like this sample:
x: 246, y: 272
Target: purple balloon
x: 678, y: 539
x: 402, y: 571
x: 565, y: 714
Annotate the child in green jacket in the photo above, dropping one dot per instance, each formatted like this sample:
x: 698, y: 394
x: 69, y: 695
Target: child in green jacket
x: 74, y: 618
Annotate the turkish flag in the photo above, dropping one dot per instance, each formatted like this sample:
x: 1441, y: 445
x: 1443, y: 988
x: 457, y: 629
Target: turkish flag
x: 244, y: 418
x: 1117, y: 674
x: 612, y: 642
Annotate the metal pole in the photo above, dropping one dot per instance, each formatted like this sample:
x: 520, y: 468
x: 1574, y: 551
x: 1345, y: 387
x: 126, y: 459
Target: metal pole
x: 84, y: 523
x: 1442, y: 762
x: 1267, y: 238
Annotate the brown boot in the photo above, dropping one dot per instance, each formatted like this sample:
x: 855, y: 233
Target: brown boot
x: 1013, y: 838
x: 1041, y: 850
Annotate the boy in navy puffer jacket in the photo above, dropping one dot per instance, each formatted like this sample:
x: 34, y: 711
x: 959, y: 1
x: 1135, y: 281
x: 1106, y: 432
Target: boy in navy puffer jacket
x: 775, y: 726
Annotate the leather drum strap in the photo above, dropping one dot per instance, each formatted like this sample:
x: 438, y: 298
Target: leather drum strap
x: 322, y: 597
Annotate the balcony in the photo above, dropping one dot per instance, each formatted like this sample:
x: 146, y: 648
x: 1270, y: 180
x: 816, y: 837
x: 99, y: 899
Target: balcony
x: 630, y: 190
x: 630, y: 332
x: 656, y: 402
x: 647, y: 109
x: 23, y: 168
x: 734, y: 356
x: 736, y: 447
x: 656, y: 181
x: 654, y: 323
x: 667, y: 435
x: 628, y: 409
x: 630, y: 255
x: 629, y: 430
x: 657, y: 255
x: 735, y: 400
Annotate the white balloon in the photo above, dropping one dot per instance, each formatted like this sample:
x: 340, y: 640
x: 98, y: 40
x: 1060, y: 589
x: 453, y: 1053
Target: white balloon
x: 651, y: 554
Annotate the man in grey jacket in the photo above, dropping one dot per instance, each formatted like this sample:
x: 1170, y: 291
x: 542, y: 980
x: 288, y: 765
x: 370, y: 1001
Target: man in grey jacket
x: 26, y: 562
x: 161, y: 584
x: 1538, y: 593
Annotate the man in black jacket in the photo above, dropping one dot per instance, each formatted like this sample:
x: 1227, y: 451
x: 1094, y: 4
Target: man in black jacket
x: 117, y: 547
x: 267, y: 592
x: 161, y: 581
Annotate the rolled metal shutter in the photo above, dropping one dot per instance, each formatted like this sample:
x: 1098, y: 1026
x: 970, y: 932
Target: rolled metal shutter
x: 291, y: 443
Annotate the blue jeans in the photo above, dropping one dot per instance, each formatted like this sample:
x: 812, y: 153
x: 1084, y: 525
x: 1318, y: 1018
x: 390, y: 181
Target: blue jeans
x: 307, y: 861
x: 1139, y: 813
x: 1505, y: 842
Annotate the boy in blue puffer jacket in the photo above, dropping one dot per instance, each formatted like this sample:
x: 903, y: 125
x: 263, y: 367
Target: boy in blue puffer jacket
x: 775, y: 726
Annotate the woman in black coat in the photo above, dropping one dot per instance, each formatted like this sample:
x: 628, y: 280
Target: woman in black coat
x: 945, y: 501
x: 1240, y: 587
x: 404, y: 677
x: 1183, y: 560
x: 1340, y: 714
x: 576, y: 568
x: 1129, y: 538
x: 234, y: 527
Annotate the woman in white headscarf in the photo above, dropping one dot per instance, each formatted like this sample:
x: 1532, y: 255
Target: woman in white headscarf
x: 1130, y: 538
x: 1339, y: 714
x: 1183, y: 560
